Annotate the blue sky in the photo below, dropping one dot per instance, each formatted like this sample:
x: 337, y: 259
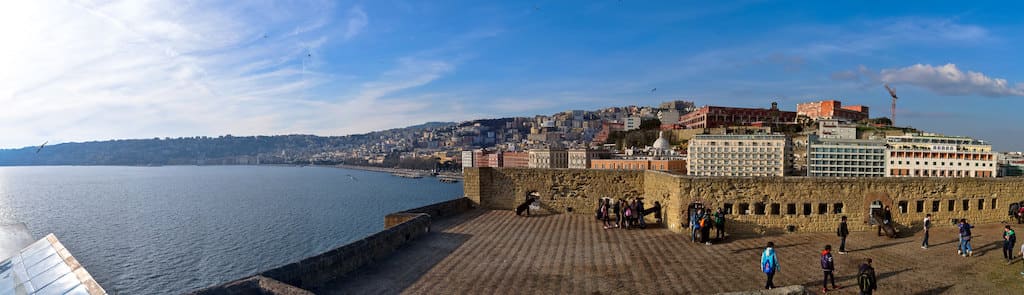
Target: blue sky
x: 96, y: 70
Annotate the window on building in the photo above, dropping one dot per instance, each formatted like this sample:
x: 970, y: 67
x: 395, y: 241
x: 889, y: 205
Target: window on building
x: 967, y: 205
x: 935, y: 206
x: 837, y: 208
x: 791, y: 209
x: 920, y: 206
x: 902, y: 207
x: 759, y: 208
x: 993, y: 203
x: 951, y: 203
x: 776, y: 208
x: 822, y: 208
x: 727, y: 209
x: 807, y: 209
x: 981, y: 204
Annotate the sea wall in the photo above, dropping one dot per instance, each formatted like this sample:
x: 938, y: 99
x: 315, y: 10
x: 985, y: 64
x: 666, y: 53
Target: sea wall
x: 253, y: 285
x: 768, y: 205
x: 316, y: 271
x: 313, y: 272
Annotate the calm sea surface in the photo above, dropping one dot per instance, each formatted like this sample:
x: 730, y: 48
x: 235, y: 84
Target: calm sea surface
x: 167, y: 230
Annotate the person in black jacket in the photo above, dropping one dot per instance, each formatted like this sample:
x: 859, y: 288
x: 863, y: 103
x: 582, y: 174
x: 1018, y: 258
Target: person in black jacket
x: 842, y: 232
x: 828, y: 266
x: 866, y: 278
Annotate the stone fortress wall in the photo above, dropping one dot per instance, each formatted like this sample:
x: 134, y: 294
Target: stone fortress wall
x: 758, y: 205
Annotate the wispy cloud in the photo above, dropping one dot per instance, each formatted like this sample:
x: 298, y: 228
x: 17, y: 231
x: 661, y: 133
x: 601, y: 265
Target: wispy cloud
x: 946, y: 79
x: 949, y: 80
x: 357, y: 21
x: 125, y: 69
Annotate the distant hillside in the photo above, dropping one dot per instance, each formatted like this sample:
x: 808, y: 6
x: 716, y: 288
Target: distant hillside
x: 177, y: 151
x: 278, y: 149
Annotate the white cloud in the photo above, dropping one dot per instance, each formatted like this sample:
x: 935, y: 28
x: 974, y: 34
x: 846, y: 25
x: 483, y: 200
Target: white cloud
x: 950, y: 80
x: 357, y: 21
x: 79, y: 71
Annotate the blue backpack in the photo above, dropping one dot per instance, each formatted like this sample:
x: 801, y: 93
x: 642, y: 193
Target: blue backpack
x: 768, y: 267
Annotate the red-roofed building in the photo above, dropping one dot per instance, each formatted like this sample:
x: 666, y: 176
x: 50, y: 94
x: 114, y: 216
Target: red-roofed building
x: 832, y: 109
x: 714, y: 117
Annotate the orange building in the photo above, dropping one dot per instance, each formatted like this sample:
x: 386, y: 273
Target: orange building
x: 676, y: 166
x: 832, y: 109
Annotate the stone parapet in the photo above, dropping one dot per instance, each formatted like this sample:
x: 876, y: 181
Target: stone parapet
x: 756, y: 205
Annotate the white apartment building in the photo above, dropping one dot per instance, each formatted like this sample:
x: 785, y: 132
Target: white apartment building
x: 633, y: 123
x: 833, y: 129
x: 467, y: 159
x: 580, y: 158
x: 739, y: 155
x: 933, y: 155
x: 548, y: 158
x: 827, y: 157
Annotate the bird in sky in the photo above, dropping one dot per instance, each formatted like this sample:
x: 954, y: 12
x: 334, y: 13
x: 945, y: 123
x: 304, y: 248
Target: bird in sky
x: 654, y: 89
x: 41, y: 146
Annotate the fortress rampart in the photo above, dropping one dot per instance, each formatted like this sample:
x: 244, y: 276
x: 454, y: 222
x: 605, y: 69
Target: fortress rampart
x: 756, y: 205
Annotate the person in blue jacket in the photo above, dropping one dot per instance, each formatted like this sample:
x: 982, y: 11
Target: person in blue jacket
x: 769, y: 264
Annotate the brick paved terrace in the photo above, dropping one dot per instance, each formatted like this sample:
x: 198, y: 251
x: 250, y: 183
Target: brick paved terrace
x: 486, y: 252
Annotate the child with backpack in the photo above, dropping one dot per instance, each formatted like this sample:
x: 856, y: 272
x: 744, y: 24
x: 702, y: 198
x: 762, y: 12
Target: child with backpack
x: 828, y: 266
x: 769, y: 265
x: 866, y: 278
x: 965, y: 238
x: 1009, y: 239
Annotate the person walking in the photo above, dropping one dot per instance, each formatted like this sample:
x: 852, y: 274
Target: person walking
x: 886, y: 219
x: 640, y: 216
x: 694, y: 225
x: 829, y: 267
x: 622, y: 212
x: 617, y: 208
x: 965, y: 238
x: 606, y: 213
x: 769, y: 265
x: 1009, y: 239
x: 705, y: 229
x: 927, y: 227
x: 866, y: 278
x: 720, y: 224
x: 843, y: 231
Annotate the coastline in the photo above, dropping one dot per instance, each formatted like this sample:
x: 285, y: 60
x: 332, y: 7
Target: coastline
x: 397, y: 170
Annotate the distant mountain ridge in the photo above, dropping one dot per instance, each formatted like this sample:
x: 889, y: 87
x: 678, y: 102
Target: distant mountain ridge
x: 200, y: 150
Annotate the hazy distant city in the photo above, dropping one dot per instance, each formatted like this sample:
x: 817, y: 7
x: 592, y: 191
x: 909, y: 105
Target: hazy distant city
x: 818, y: 138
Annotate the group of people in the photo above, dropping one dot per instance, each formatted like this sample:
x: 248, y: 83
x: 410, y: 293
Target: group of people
x: 866, y: 280
x: 629, y: 214
x: 701, y: 223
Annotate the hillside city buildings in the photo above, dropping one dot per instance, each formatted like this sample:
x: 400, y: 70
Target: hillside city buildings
x: 820, y: 139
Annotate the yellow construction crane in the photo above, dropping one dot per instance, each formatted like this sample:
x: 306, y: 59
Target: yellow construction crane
x: 892, y: 111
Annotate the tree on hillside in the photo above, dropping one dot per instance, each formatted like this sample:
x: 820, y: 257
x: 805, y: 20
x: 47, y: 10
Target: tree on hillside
x: 648, y: 124
x: 878, y: 121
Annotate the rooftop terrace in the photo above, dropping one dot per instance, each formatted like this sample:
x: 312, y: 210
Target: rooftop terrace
x: 495, y: 251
